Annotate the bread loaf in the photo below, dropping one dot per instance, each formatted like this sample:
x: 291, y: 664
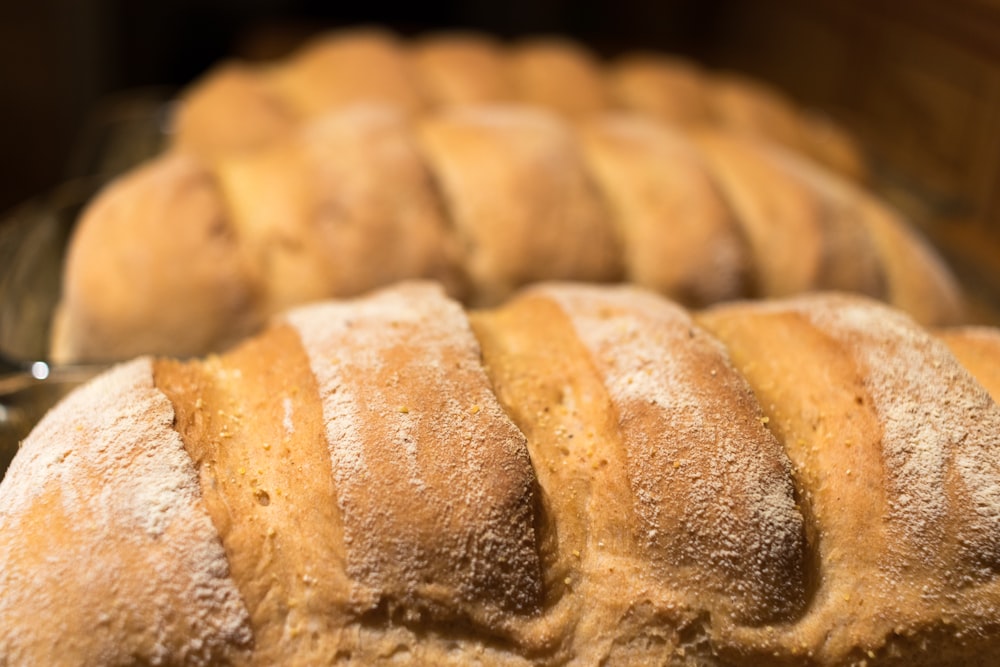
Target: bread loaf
x: 586, y: 475
x: 185, y: 255
x: 237, y: 106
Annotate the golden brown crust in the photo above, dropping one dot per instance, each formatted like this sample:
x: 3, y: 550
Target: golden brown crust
x: 672, y: 90
x: 781, y: 217
x: 519, y: 198
x: 917, y: 279
x: 344, y: 68
x: 484, y: 200
x: 977, y: 349
x: 891, y: 443
x: 851, y: 258
x: 620, y: 413
x: 231, y: 109
x: 252, y: 424
x: 679, y: 235
x: 461, y: 69
x: 560, y: 75
x: 154, y: 267
x: 585, y: 475
x: 344, y: 206
x: 109, y: 555
x: 349, y: 461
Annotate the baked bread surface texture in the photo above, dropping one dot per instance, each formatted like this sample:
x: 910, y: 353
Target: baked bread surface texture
x: 584, y: 475
x: 187, y: 255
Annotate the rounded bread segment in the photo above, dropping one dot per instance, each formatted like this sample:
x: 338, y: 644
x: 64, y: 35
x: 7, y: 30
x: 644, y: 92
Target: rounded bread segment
x: 755, y: 109
x: 780, y: 216
x: 679, y: 235
x: 833, y: 146
x: 749, y: 107
x: 433, y: 480
x: 519, y: 199
x: 852, y: 259
x: 345, y: 206
x: 917, y: 279
x: 558, y: 75
x: 236, y: 105
x: 252, y: 424
x: 109, y: 555
x: 977, y: 349
x: 871, y: 249
x: 940, y: 430
x: 231, y: 109
x: 344, y: 68
x: 893, y: 449
x: 461, y: 69
x: 713, y: 496
x: 595, y: 580
x: 670, y: 90
x: 154, y: 267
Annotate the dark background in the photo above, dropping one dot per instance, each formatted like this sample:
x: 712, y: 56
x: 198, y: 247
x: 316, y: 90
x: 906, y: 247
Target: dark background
x: 918, y: 80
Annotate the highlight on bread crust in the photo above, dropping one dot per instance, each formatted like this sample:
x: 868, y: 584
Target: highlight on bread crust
x: 186, y: 255
x: 583, y: 475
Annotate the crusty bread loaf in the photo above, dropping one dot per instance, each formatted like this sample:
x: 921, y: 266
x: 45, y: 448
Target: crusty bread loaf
x: 238, y: 106
x: 586, y: 475
x: 486, y: 199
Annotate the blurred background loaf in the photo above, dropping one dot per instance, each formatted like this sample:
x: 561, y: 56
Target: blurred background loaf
x: 915, y: 87
x: 196, y: 248
x: 917, y: 81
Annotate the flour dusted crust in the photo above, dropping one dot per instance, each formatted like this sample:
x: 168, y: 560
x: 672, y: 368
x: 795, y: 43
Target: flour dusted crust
x: 584, y: 475
x: 109, y: 556
x: 892, y: 443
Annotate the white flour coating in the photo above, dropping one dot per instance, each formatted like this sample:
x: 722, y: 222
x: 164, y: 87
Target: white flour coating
x: 139, y: 546
x: 286, y: 421
x: 448, y: 440
x: 939, y: 426
x: 708, y: 453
